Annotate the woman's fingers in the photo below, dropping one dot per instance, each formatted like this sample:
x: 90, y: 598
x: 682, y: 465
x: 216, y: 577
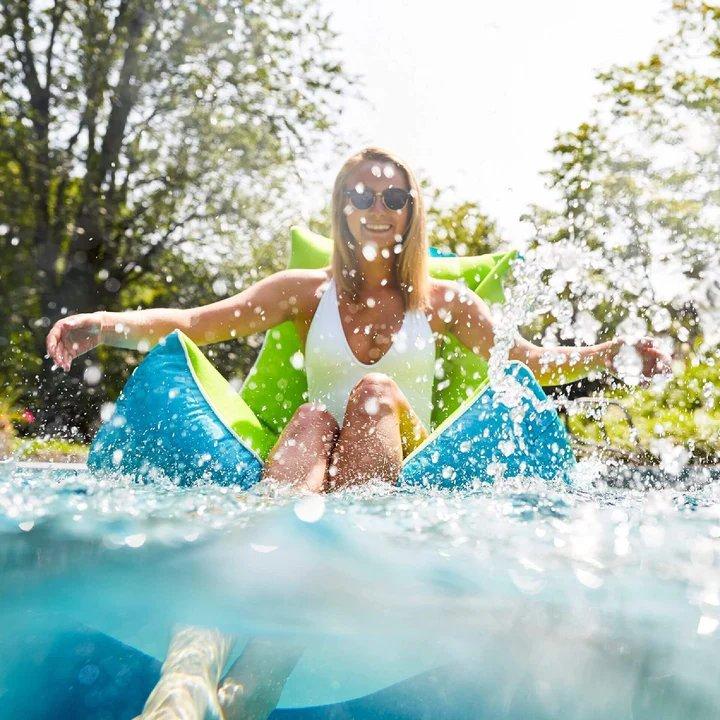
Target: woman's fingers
x: 66, y: 357
x: 58, y: 355
x: 53, y: 346
x: 70, y: 337
x: 655, y: 362
x: 56, y: 344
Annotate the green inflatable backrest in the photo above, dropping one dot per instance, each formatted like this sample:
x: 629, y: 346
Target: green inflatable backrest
x: 277, y: 385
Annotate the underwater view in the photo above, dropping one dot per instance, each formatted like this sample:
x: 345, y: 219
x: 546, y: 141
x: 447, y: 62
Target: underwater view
x: 359, y: 363
x: 516, y: 600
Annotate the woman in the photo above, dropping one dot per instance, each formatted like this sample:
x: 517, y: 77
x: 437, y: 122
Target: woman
x: 368, y: 324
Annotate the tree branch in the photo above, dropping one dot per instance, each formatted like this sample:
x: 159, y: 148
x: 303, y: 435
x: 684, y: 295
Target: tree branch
x: 9, y: 28
x: 126, y: 92
x: 146, y: 258
x: 57, y: 15
x: 38, y: 96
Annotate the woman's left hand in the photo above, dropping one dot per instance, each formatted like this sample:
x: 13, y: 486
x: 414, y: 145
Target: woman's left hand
x: 654, y: 360
x: 642, y: 360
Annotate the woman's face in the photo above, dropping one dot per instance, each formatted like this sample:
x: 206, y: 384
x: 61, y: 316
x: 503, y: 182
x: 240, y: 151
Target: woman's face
x: 377, y: 225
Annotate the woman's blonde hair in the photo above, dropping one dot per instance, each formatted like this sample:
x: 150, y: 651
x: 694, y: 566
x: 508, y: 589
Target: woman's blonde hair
x: 411, y: 266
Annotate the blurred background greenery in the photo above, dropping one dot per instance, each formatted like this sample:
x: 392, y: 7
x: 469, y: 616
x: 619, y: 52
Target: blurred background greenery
x: 147, y: 150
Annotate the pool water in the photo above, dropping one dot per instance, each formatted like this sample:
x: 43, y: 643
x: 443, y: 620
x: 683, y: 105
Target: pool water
x: 535, y: 600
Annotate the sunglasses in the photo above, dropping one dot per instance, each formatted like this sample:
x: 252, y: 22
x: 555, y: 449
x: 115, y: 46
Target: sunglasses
x: 393, y: 198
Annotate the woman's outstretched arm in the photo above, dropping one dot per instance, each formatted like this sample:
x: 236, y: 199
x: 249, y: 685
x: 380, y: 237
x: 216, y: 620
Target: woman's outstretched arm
x: 470, y: 321
x: 263, y: 305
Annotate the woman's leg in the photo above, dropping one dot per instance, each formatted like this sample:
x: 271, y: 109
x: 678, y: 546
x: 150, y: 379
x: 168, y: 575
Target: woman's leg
x: 301, y: 456
x: 253, y: 685
x: 187, y: 687
x: 369, y: 445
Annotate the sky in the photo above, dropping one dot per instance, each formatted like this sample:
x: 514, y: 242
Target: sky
x: 472, y: 94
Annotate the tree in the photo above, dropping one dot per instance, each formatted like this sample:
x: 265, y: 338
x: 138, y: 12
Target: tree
x: 632, y: 244
x: 135, y: 131
x: 459, y: 227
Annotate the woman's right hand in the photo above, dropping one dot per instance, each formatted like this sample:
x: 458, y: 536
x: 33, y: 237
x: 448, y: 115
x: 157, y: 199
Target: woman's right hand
x: 72, y: 336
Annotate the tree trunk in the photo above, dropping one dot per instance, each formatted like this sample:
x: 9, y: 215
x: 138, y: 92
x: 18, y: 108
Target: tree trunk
x: 65, y: 404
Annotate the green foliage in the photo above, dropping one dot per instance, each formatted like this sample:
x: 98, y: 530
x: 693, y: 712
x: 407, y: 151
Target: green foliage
x: 684, y: 412
x: 460, y: 227
x: 140, y: 140
x: 638, y: 186
x: 48, y: 450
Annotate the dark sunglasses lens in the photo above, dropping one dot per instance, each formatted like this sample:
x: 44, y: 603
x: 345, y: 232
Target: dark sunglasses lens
x: 361, y: 200
x: 395, y: 198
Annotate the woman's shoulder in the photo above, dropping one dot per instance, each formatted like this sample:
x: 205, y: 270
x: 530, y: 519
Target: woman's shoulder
x: 441, y: 292
x: 444, y: 291
x: 442, y: 297
x: 307, y: 286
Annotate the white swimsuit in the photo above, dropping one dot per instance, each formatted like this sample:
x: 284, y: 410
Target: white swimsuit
x: 333, y: 370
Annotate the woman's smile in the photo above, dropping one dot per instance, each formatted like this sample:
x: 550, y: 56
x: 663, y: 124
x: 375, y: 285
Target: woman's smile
x: 377, y: 227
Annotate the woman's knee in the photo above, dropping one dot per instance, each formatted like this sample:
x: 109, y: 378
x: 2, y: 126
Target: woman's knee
x: 310, y: 415
x: 374, y: 392
x: 308, y: 438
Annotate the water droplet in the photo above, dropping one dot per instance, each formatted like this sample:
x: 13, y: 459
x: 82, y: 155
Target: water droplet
x: 628, y: 364
x: 107, y: 410
x: 448, y: 472
x: 707, y: 625
x: 588, y: 579
x: 633, y: 328
x: 92, y: 375
x: 673, y: 458
x: 263, y: 548
x: 372, y: 406
x: 310, y: 509
x: 661, y: 320
x: 369, y: 251
x: 135, y: 541
x: 507, y: 447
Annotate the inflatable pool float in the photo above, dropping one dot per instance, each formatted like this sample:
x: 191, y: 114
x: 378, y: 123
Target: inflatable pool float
x: 85, y: 675
x: 179, y: 417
